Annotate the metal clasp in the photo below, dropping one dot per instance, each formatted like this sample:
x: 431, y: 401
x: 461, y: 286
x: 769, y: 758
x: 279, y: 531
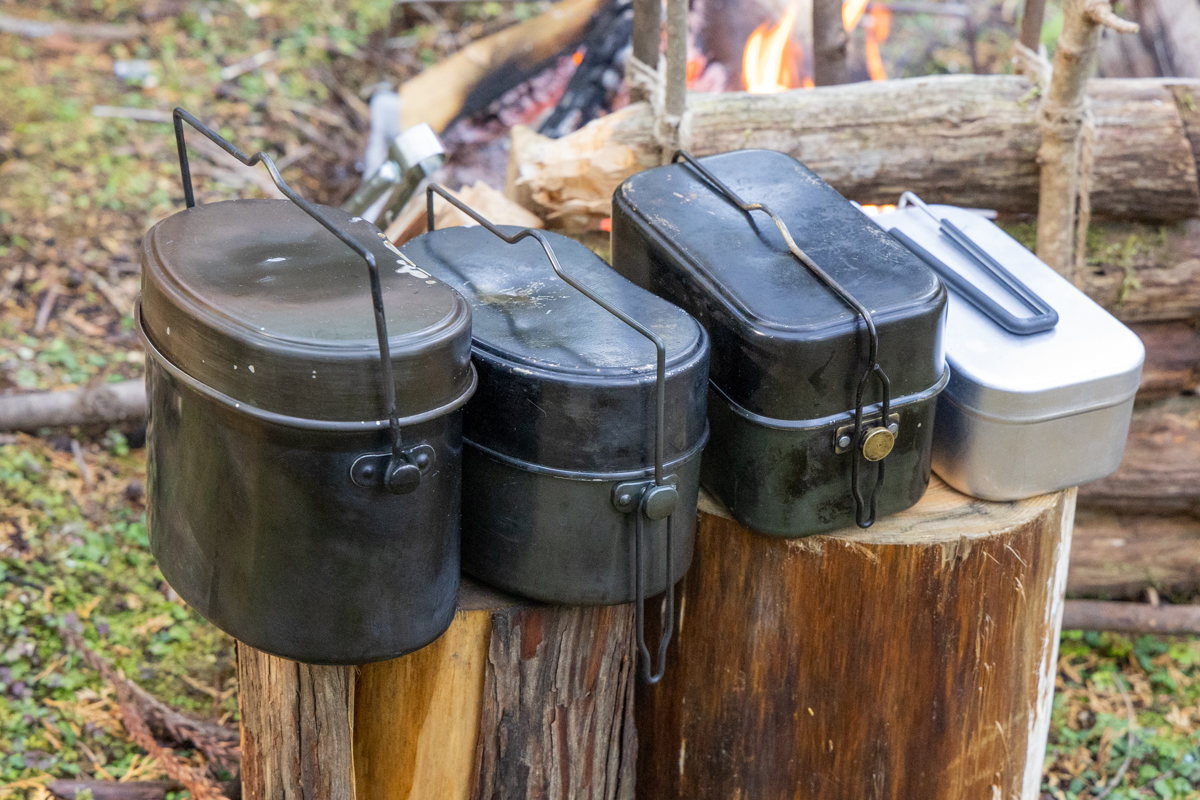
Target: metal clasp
x: 377, y: 470
x: 843, y: 437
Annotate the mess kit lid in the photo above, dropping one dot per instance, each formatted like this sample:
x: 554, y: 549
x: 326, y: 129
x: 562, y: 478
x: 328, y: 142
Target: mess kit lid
x: 784, y: 345
x: 563, y: 383
x: 255, y: 299
x: 1088, y: 360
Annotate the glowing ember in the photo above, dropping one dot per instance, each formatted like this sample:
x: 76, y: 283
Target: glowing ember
x: 771, y: 61
x: 877, y: 33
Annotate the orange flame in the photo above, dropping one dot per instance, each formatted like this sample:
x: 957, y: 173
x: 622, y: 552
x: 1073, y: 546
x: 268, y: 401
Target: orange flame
x: 852, y: 12
x: 877, y: 33
x: 771, y: 60
x: 874, y: 211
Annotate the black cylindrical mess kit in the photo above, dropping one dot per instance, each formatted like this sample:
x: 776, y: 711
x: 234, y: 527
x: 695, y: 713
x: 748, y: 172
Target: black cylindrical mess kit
x: 338, y: 427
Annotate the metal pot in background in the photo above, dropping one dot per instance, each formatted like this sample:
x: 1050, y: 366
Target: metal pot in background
x: 582, y: 446
x: 304, y: 453
x: 827, y: 336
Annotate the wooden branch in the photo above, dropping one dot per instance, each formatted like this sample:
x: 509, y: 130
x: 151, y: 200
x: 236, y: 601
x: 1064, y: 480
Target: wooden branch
x: 104, y: 402
x: 1105, y: 615
x: 1120, y: 555
x: 647, y: 39
x: 970, y: 140
x: 1031, y: 24
x: 915, y: 659
x: 113, y: 790
x: 1061, y: 120
x: 1161, y: 469
x: 829, y: 44
x: 487, y: 67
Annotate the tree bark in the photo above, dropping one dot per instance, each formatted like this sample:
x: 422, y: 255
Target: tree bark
x: 647, y: 39
x: 516, y: 701
x: 1172, y: 359
x: 105, y: 402
x: 1119, y: 555
x: 1160, y: 473
x: 1146, y: 274
x: 970, y: 140
x: 913, y: 659
x: 1103, y: 615
x: 829, y: 44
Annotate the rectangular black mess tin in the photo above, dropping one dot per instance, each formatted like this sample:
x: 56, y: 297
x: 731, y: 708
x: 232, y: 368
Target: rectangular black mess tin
x: 827, y: 353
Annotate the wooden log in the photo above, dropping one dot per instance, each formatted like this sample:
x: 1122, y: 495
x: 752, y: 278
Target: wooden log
x: 1121, y: 555
x: 1108, y: 615
x: 488, y: 67
x: 104, y: 402
x: 1172, y: 359
x: 915, y: 659
x: 516, y: 701
x: 112, y: 790
x: 1142, y: 273
x: 970, y: 140
x: 1161, y: 470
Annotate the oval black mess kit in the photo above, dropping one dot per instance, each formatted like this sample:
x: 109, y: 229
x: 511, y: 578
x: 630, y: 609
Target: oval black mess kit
x: 292, y: 498
x: 826, y: 336
x: 582, y: 445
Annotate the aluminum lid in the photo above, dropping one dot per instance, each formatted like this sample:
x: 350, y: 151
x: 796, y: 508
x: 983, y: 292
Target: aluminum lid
x: 1089, y: 360
x: 256, y: 300
x: 564, y: 383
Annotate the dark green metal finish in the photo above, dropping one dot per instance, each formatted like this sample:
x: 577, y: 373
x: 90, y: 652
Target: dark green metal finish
x: 791, y: 342
x: 306, y: 385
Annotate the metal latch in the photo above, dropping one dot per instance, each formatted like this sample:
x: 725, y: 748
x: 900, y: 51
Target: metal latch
x: 371, y: 471
x: 877, y: 441
x: 657, y: 501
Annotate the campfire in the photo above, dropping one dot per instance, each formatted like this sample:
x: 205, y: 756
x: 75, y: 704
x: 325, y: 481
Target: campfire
x: 774, y: 62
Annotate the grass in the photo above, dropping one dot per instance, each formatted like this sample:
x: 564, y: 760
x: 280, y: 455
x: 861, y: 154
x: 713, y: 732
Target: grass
x: 76, y: 194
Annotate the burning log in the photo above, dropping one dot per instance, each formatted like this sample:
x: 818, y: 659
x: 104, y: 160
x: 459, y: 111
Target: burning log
x: 969, y: 140
x: 488, y: 67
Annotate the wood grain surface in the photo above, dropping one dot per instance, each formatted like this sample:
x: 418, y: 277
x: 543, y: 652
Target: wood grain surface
x: 915, y: 659
x: 296, y: 728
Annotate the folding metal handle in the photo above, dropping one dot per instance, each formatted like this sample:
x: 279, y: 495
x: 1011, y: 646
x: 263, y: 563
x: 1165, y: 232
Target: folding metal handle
x: 1044, y: 317
x: 656, y: 501
x: 877, y: 450
x: 401, y: 476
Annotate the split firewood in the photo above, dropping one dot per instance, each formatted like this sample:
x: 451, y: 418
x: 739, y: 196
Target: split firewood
x: 490, y: 203
x: 1067, y: 150
x: 970, y: 140
x: 488, y: 67
x: 1161, y: 469
x: 1119, y: 555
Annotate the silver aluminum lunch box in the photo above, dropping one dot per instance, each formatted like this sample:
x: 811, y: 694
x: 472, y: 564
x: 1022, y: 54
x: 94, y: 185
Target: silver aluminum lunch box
x: 1042, y: 379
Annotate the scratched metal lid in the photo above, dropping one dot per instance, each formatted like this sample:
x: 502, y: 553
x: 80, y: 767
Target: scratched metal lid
x: 259, y: 302
x: 563, y: 383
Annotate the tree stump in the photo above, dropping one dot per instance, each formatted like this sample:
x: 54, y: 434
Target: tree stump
x: 915, y: 659
x: 517, y: 701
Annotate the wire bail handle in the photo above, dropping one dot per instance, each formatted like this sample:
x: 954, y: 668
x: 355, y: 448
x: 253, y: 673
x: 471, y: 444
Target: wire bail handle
x: 861, y: 504
x: 658, y: 500
x: 401, y: 475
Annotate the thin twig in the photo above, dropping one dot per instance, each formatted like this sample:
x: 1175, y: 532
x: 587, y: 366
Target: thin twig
x: 43, y: 314
x: 84, y: 472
